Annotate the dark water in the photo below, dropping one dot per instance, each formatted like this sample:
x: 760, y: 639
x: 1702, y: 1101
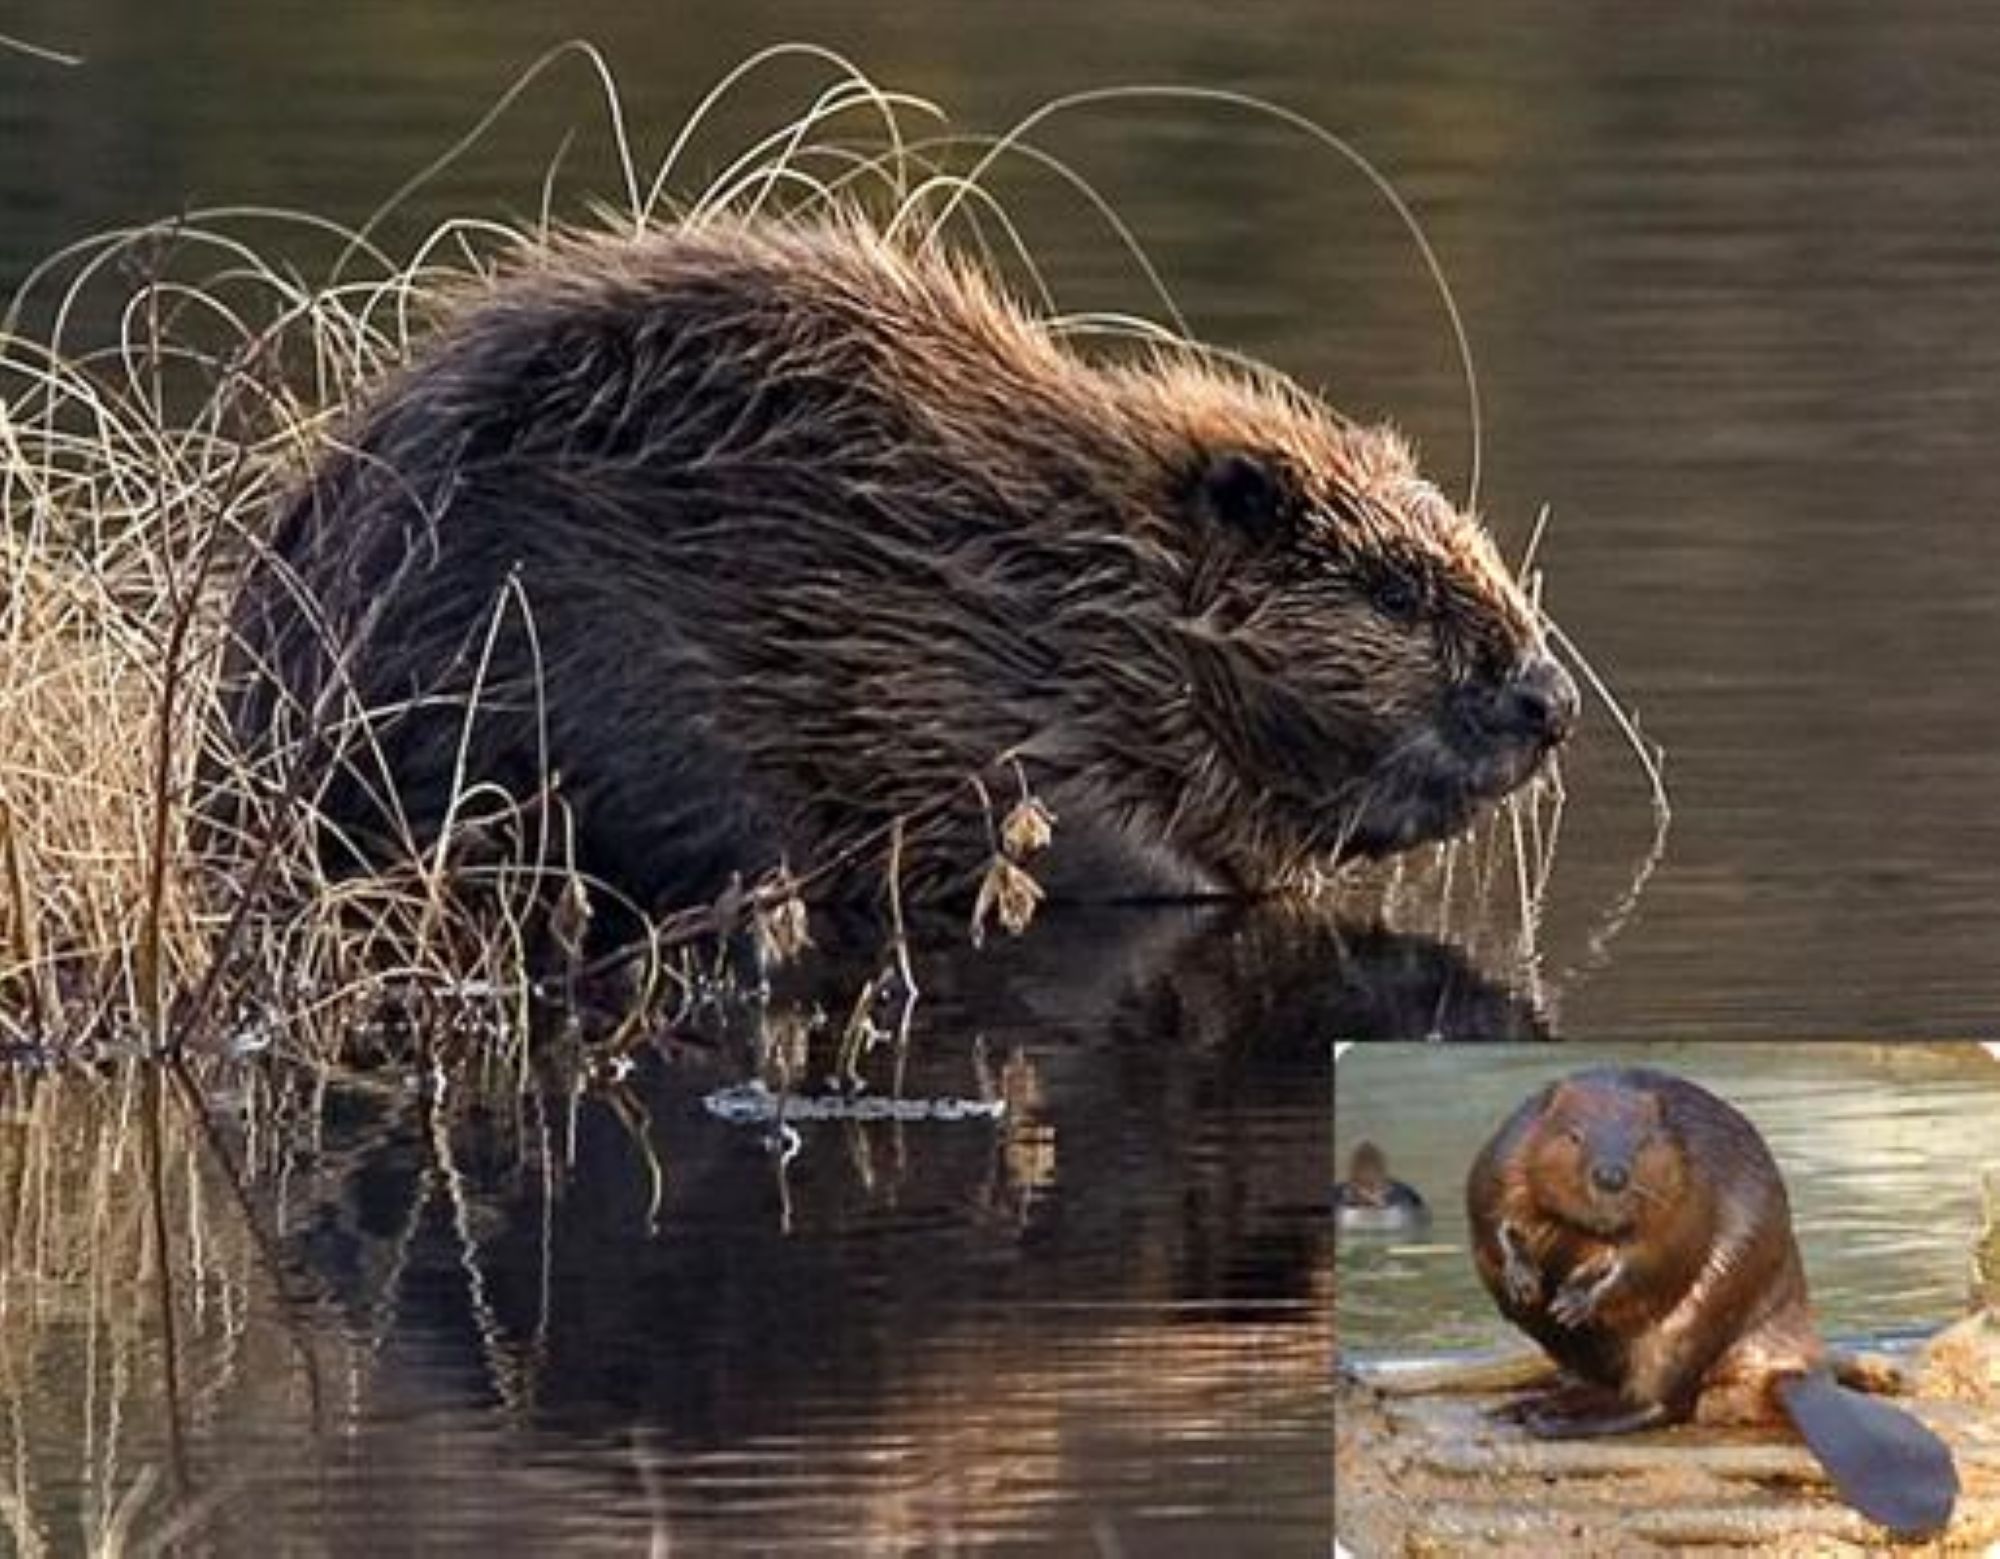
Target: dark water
x: 1733, y: 281
x: 1882, y: 1148
x: 532, y: 1309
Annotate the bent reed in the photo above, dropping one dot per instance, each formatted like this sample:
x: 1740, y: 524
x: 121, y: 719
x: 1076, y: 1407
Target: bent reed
x: 138, y: 480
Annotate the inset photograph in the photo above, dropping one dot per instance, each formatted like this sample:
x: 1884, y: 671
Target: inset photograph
x: 1648, y: 1298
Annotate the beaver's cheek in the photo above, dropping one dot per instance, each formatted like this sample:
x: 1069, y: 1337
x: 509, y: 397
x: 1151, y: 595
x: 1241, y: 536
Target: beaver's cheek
x: 1307, y: 739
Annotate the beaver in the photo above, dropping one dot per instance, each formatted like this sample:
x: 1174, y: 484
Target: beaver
x: 1636, y: 1226
x: 1368, y: 1200
x: 751, y: 538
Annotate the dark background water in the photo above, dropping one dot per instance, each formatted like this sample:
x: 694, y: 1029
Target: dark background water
x: 1731, y: 274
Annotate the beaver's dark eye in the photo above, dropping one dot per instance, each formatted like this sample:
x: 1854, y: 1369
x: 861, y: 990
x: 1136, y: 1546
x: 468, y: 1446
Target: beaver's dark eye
x: 1397, y: 597
x: 1249, y: 493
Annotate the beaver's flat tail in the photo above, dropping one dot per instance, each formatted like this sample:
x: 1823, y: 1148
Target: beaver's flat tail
x: 1885, y: 1463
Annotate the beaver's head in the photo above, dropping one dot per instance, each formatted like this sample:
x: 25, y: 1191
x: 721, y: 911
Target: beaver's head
x: 1367, y: 671
x: 1601, y: 1158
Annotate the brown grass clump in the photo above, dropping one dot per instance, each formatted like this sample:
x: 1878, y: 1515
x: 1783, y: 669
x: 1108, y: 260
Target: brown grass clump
x: 98, y: 912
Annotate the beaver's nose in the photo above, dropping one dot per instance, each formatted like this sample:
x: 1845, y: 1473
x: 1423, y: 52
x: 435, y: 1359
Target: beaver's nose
x: 1537, y: 704
x: 1610, y: 1178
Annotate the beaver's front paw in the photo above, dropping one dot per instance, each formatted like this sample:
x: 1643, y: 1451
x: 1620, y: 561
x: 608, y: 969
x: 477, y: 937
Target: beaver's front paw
x: 1518, y: 1275
x: 1576, y: 1301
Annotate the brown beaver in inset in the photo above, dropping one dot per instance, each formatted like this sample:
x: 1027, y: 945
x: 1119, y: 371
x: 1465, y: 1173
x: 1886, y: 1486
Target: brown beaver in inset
x: 758, y: 536
x: 1636, y: 1227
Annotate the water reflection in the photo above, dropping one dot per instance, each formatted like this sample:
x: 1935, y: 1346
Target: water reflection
x: 540, y: 1303
x: 1276, y: 976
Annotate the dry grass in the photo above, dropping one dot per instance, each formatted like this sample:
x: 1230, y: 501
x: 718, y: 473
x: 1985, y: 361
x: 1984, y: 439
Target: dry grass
x: 135, y: 472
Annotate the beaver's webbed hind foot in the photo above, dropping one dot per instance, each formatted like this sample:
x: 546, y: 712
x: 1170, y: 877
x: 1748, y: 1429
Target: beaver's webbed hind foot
x: 1578, y: 1411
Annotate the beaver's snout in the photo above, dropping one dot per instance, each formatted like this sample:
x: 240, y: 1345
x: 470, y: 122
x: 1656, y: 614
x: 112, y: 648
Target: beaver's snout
x: 1491, y: 739
x: 1611, y: 1197
x: 1534, y: 707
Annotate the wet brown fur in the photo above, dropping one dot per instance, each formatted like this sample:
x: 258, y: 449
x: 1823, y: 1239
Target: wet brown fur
x: 1710, y: 1300
x: 812, y: 526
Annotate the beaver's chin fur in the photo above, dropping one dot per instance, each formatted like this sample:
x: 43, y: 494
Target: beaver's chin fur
x: 1603, y: 1215
x: 1427, y: 789
x: 1430, y: 791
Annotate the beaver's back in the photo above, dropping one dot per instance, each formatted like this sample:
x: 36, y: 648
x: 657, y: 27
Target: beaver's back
x: 626, y: 510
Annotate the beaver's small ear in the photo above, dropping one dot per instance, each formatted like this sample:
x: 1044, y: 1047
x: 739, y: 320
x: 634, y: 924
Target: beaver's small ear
x: 1253, y: 494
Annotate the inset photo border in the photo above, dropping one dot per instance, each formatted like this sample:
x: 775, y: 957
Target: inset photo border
x: 1635, y: 1297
